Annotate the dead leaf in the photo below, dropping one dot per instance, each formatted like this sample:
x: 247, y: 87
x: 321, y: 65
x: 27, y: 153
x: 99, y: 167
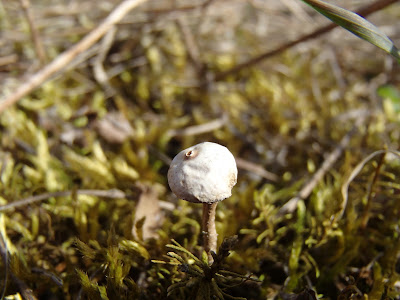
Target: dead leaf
x: 114, y: 128
x: 148, y: 215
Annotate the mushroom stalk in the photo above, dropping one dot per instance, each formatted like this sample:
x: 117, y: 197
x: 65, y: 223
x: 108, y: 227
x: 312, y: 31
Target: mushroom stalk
x: 209, y: 231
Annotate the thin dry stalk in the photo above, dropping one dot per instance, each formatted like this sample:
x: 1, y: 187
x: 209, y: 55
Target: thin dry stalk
x: 100, y: 73
x: 66, y: 57
x: 328, y: 163
x: 113, y: 193
x: 297, y: 9
x: 357, y: 169
x: 256, y: 169
x: 179, y: 8
x: 199, y: 129
x: 192, y: 47
x: 363, y: 11
x: 210, y: 235
x: 336, y: 70
x: 37, y: 41
x: 365, y: 216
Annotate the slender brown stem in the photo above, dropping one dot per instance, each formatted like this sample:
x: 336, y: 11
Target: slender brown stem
x: 209, y: 231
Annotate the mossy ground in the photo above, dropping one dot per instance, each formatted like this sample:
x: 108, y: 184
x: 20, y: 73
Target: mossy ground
x: 106, y: 144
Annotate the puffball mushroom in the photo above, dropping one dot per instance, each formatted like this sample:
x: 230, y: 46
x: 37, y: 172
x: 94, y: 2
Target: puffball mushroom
x: 204, y: 173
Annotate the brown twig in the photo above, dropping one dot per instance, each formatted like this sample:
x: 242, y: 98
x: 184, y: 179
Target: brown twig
x: 66, y: 57
x: 363, y: 11
x: 37, y: 41
x: 210, y: 235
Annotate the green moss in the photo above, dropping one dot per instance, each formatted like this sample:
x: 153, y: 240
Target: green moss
x: 284, y: 115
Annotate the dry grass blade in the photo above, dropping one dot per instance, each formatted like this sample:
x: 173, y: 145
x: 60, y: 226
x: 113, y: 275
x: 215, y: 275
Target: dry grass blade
x: 113, y: 193
x: 256, y: 169
x: 328, y: 163
x: 34, y: 31
x: 354, y: 173
x: 66, y: 57
x: 355, y: 24
x: 199, y: 129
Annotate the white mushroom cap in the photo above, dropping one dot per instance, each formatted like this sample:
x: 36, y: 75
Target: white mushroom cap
x: 203, y: 173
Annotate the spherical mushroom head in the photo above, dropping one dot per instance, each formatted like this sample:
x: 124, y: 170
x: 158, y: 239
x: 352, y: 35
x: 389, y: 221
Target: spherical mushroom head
x: 203, y: 173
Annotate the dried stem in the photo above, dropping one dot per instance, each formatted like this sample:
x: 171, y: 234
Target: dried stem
x: 37, y: 41
x: 209, y: 231
x: 191, y: 45
x: 99, y: 71
x: 363, y: 11
x: 256, y: 169
x: 66, y: 57
x: 365, y: 216
x: 328, y: 163
x: 199, y: 129
x: 113, y: 193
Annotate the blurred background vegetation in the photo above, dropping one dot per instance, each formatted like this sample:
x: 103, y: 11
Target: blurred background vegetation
x: 85, y: 206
